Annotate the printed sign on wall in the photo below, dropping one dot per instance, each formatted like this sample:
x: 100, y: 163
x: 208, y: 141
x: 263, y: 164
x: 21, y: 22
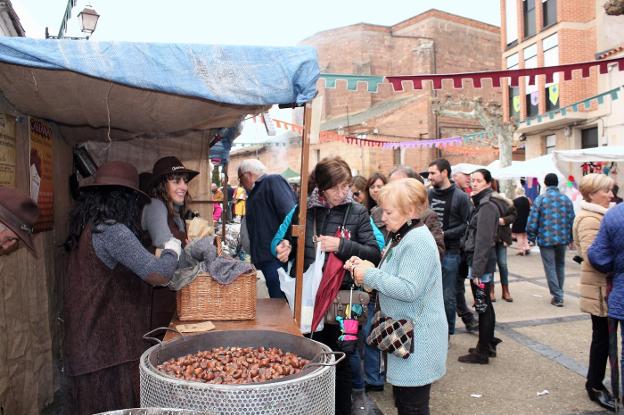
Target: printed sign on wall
x: 42, y: 172
x: 7, y: 150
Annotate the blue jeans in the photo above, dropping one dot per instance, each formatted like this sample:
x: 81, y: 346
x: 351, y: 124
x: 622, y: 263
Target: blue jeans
x: 450, y: 270
x: 357, y: 377
x: 269, y: 270
x: 501, y: 261
x: 553, y: 258
x: 372, y: 355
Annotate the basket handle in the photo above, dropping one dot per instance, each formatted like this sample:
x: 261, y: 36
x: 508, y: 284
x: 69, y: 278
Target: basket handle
x: 218, y: 244
x: 148, y: 335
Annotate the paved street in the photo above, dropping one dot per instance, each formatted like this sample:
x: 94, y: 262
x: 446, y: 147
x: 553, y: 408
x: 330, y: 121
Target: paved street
x: 545, y: 348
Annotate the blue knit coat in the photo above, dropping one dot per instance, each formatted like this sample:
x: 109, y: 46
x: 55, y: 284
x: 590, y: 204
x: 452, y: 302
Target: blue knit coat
x: 409, y: 283
x: 551, y: 219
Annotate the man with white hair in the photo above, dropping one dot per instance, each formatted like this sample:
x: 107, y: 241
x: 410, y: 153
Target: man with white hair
x: 270, y: 199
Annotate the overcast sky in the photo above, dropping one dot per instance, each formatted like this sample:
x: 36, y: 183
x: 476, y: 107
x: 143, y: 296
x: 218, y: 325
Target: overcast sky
x: 242, y: 22
x: 235, y: 22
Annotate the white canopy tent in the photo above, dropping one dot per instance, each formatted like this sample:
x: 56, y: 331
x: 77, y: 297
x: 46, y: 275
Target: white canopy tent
x: 587, y: 155
x: 466, y: 168
x: 537, y: 167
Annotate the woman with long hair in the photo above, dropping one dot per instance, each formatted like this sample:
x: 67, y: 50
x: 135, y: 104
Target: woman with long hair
x: 480, y: 249
x: 163, y: 219
x: 108, y: 287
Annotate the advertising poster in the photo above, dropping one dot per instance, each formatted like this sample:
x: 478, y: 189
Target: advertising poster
x: 42, y: 172
x: 7, y: 150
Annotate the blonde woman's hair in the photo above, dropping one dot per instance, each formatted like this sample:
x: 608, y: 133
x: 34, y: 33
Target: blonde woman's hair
x: 594, y: 182
x: 405, y: 194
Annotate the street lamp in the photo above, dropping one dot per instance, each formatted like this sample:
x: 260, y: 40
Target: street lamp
x: 88, y: 22
x: 89, y: 19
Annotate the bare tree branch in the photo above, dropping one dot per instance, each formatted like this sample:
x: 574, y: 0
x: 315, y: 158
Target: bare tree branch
x: 488, y: 115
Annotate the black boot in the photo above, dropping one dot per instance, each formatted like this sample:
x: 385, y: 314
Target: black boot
x: 478, y: 356
x: 491, y: 349
x: 602, y: 397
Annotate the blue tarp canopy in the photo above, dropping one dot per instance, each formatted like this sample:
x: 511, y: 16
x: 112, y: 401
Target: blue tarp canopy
x: 149, y: 89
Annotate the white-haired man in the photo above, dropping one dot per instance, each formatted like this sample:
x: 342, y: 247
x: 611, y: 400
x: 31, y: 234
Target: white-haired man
x: 270, y: 199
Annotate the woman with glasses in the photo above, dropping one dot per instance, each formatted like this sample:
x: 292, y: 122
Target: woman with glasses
x: 360, y: 191
x: 330, y: 204
x: 163, y: 219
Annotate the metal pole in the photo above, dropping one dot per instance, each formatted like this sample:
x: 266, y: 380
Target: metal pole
x: 298, y: 231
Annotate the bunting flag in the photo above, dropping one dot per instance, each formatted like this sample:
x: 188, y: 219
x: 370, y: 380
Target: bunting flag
x: 364, y: 142
x: 512, y: 74
x: 438, y: 143
x: 477, y: 78
x: 372, y: 82
x: 331, y: 136
x: 586, y: 103
x: 478, y: 136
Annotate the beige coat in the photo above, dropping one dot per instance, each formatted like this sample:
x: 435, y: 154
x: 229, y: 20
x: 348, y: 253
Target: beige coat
x: 593, y: 285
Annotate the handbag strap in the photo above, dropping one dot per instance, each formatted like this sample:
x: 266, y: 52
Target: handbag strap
x: 344, y: 220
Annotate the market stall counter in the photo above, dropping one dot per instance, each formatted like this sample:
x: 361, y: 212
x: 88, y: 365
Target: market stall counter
x: 271, y: 314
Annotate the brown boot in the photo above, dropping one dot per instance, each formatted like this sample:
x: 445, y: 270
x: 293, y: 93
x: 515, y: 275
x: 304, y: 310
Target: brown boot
x: 506, y: 294
x: 492, y: 293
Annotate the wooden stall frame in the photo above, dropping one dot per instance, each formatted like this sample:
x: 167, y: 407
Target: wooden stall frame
x: 298, y: 231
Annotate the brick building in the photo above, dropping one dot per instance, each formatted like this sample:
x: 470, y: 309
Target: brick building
x: 538, y: 33
x: 431, y: 42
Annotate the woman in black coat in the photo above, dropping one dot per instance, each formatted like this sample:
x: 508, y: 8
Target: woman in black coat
x: 518, y: 228
x: 330, y: 204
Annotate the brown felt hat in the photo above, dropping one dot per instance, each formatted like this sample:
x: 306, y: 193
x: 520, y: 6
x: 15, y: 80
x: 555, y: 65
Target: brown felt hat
x: 169, y: 165
x: 19, y: 213
x: 117, y: 173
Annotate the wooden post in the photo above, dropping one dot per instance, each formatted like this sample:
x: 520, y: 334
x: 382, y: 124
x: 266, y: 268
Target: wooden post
x: 298, y: 231
x: 224, y: 213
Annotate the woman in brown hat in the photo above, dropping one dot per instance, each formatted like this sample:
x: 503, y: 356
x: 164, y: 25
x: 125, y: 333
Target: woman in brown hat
x: 108, y: 291
x: 163, y: 219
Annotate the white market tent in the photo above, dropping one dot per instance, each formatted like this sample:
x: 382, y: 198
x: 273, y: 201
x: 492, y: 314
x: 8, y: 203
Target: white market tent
x: 537, y: 167
x: 466, y: 168
x: 587, y: 155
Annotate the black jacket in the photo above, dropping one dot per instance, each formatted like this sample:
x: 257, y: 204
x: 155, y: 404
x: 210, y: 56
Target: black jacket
x: 458, y: 218
x: 481, y: 234
x: 362, y: 243
x: 523, y: 207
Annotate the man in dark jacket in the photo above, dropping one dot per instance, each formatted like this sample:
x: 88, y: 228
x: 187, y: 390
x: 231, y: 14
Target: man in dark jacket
x: 270, y: 199
x: 453, y: 209
x: 479, y: 246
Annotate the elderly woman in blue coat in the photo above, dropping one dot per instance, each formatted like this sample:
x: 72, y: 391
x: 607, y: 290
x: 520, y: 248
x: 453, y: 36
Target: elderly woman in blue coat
x: 409, y: 282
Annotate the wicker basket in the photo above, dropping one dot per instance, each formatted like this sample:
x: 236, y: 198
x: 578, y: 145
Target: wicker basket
x: 206, y: 299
